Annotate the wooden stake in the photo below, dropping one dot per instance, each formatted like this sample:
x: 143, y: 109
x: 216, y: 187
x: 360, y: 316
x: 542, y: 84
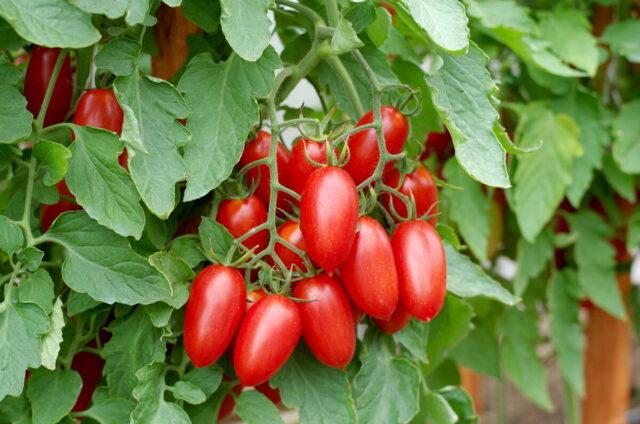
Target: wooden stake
x: 472, y: 383
x: 171, y: 33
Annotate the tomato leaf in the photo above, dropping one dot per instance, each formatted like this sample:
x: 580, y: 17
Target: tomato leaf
x: 106, y: 410
x: 444, y: 21
x: 207, y: 379
x: 461, y: 403
x: 221, y: 96
x: 344, y: 38
x: 480, y: 350
x: 189, y: 249
x: 179, y: 274
x: 204, y: 13
x: 623, y: 184
x: 11, y: 238
x: 54, y: 158
x: 52, y: 394
x: 31, y: 257
x: 151, y: 406
x: 51, y: 341
x: 102, y: 264
x: 245, y: 25
x: 15, y: 119
x: 447, y: 329
x: 254, y: 408
x: 119, y: 55
x: 414, y: 337
x: 188, y: 392
x: 532, y: 258
x: 622, y: 38
x: 437, y: 409
x: 133, y: 11
x: 626, y: 130
x: 37, y: 288
x: 79, y: 302
x: 216, y: 240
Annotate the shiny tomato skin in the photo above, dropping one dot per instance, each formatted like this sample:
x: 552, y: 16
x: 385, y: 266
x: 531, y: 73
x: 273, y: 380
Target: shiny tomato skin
x: 422, y: 268
x: 327, y: 320
x: 419, y: 183
x: 299, y: 167
x: 49, y: 213
x: 241, y: 215
x: 290, y: 231
x: 328, y: 216
x: 272, y: 394
x: 257, y: 149
x: 369, y: 272
x: 89, y: 366
x: 438, y: 144
x: 363, y: 146
x: 266, y: 339
x: 39, y: 71
x: 254, y: 297
x: 398, y: 320
x: 214, y: 310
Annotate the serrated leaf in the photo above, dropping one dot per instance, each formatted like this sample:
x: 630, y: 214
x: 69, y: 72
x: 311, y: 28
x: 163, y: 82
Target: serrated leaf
x: 119, y: 55
x: 189, y: 249
x: 37, y: 288
x: 245, y: 25
x: 216, y: 239
x: 179, y: 274
x: 102, y: 264
x: 31, y: 257
x: 188, y: 392
x: 51, y: 341
x: 222, y: 98
x: 151, y: 407
x: 345, y: 39
x: 622, y: 38
x: 54, y: 158
x: 207, y: 379
x: 444, y: 21
x: 134, y: 11
x: 15, y: 119
x: 322, y: 394
x: 11, y: 238
x: 532, y: 258
x: 254, y: 408
x: 414, y: 337
x: 463, y: 93
x: 626, y: 131
x: 52, y: 394
x: 106, y: 410
x: 100, y: 185
x: 447, y: 329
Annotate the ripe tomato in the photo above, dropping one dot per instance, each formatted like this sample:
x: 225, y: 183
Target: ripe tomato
x: 89, y: 366
x: 328, y: 216
x: 214, y: 310
x: 398, y: 320
x: 299, y: 166
x: 266, y: 339
x: 228, y: 403
x: 39, y: 71
x: 188, y: 226
x: 272, y: 394
x: 369, y: 272
x: 422, y: 268
x: 254, y: 297
x: 257, y: 149
x: 421, y: 185
x: 99, y: 108
x: 290, y: 231
x: 241, y: 215
x: 49, y: 213
x: 327, y: 321
x: 439, y: 144
x: 363, y: 146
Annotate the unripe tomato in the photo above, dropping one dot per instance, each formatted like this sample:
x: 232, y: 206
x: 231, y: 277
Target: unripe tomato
x: 39, y: 71
x: 290, y: 231
x: 89, y: 366
x: 398, y: 320
x: 363, y: 146
x: 257, y: 149
x: 49, y: 213
x: 99, y: 108
x: 214, y: 310
x: 422, y: 268
x: 272, y: 394
x: 421, y: 185
x: 241, y: 215
x: 328, y: 216
x: 299, y: 166
x: 439, y: 144
x: 369, y: 272
x: 267, y: 337
x: 327, y: 320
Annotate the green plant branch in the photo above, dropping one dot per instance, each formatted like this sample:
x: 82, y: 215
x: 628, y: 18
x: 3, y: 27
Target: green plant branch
x: 338, y: 67
x: 333, y: 14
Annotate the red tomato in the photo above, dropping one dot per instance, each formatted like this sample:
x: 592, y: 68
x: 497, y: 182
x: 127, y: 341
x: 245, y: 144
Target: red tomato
x: 49, y: 213
x: 272, y: 394
x: 23, y: 58
x: 398, y: 320
x: 254, y: 297
x: 267, y: 337
x: 39, y: 71
x: 188, y: 226
x: 369, y: 272
x: 299, y: 166
x: 328, y: 216
x: 228, y: 403
x: 214, y: 310
x: 89, y: 366
x: 421, y: 185
x: 327, y: 321
x: 422, y: 268
x: 363, y: 146
x: 257, y: 149
x: 99, y: 108
x: 290, y: 231
x: 439, y: 144
x: 240, y: 216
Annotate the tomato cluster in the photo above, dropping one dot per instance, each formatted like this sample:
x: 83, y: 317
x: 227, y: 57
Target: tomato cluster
x: 356, y: 266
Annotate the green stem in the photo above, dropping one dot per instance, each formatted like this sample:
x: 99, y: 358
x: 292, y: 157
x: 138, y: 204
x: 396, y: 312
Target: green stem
x: 47, y: 95
x: 307, y: 11
x: 338, y: 67
x: 25, y: 222
x: 332, y: 12
x: 572, y: 404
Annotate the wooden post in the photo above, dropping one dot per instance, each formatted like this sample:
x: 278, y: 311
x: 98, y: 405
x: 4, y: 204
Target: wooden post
x: 607, y: 365
x: 171, y: 33
x: 472, y: 382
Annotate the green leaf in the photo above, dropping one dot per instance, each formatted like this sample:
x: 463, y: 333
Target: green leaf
x: 102, y: 264
x: 31, y: 257
x: 438, y: 410
x: 254, y: 408
x: 622, y: 38
x: 594, y: 256
x: 532, y: 259
x: 134, y: 344
x: 468, y: 208
x: 444, y: 21
x: 344, y: 38
x: 563, y: 297
x: 54, y: 158
x: 386, y: 387
x: 543, y: 175
x: 361, y: 15
x: 221, y: 96
x: 51, y: 341
x: 480, y: 350
x: 447, y: 329
x: 52, y: 394
x: 101, y: 186
x: 189, y: 249
x: 133, y: 11
x: 245, y: 25
x: 519, y: 356
x: 626, y: 130
x: 461, y: 403
x: 15, y: 119
x: 633, y: 231
x: 151, y: 407
x: 34, y: 19
x: 15, y: 410
x: 119, y: 55
x: 11, y: 238
x: 106, y: 410
x: 463, y: 92
x: 378, y: 31
x: 188, y: 392
x: 204, y: 13
x: 414, y: 337
x: 466, y: 279
x: 37, y: 288
x: 79, y: 302
x: 153, y: 136
x: 623, y: 184
x: 207, y: 379
x: 322, y: 394
x: 9, y: 39
x: 179, y: 274
x: 216, y: 239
